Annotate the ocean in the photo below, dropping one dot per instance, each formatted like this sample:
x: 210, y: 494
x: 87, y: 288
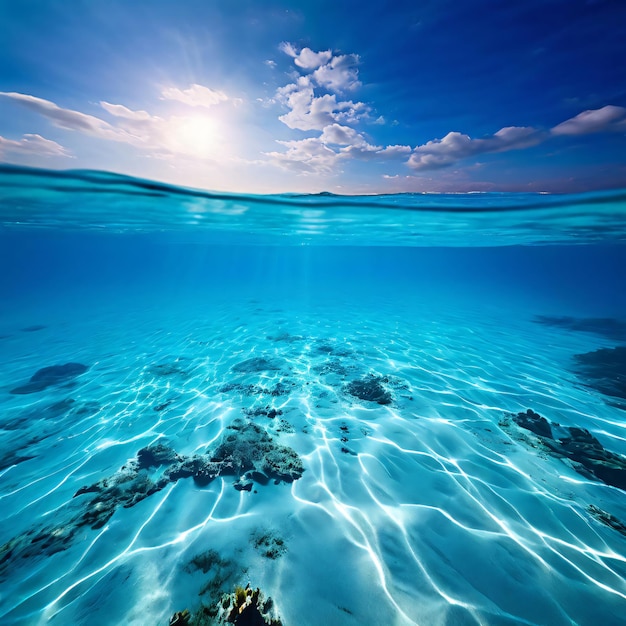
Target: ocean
x: 398, y: 410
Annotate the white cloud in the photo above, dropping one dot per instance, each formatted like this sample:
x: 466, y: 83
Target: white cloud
x: 395, y: 151
x: 341, y: 74
x: 288, y: 49
x: 195, y: 136
x: 368, y: 152
x: 65, y: 118
x: 119, y: 110
x: 342, y: 135
x: 270, y: 63
x: 195, y: 96
x: 607, y: 119
x: 456, y: 146
x: 32, y: 145
x: 306, y: 156
x: 324, y: 154
x: 310, y: 112
x: 309, y: 60
x: 314, y: 106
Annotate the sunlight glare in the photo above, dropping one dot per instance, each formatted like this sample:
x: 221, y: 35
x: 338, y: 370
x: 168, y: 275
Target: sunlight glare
x: 196, y: 135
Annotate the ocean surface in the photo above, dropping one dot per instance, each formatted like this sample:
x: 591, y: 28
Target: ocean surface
x: 386, y: 410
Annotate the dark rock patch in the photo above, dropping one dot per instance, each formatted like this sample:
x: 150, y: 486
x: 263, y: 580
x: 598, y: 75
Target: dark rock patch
x: 50, y: 376
x: 246, y: 451
x: 204, y: 561
x: 267, y: 411
x: 286, y: 337
x: 126, y: 488
x: 608, y: 327
x: 199, y: 467
x: 36, y: 542
x: 156, y: 455
x: 280, y: 389
x: 243, y: 484
x: 169, y: 369
x: 285, y: 427
x: 243, y: 389
x: 223, y: 573
x: 607, y: 519
x: 258, y: 364
x: 334, y: 366
x: 589, y: 457
x: 60, y: 407
x: 249, y: 448
x: 13, y: 458
x: 268, y: 544
x: 16, y: 423
x: 604, y: 370
x: 162, y: 406
x: 335, y: 349
x: 369, y: 389
x: 69, y: 408
x: 534, y: 422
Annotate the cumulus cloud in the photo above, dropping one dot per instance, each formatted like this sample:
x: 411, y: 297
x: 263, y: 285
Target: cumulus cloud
x: 456, y: 146
x: 195, y: 96
x: 309, y: 60
x: 342, y: 135
x: 325, y: 153
x: 341, y: 74
x: 310, y: 112
x: 314, y: 103
x: 306, y: 156
x: 607, y: 119
x: 32, y: 145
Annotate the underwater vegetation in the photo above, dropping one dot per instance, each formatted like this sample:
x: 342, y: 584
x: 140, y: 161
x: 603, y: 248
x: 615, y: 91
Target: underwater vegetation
x: 244, y: 606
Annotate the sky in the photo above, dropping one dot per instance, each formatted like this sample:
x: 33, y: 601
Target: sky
x: 273, y: 96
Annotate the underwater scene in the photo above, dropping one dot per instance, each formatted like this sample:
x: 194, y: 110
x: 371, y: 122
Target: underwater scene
x: 309, y: 409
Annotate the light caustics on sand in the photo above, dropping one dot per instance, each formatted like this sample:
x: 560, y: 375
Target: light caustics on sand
x: 433, y: 502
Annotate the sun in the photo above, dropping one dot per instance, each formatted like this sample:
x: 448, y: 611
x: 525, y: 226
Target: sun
x: 197, y: 136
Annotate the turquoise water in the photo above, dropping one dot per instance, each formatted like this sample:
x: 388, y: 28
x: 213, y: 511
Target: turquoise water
x: 339, y: 387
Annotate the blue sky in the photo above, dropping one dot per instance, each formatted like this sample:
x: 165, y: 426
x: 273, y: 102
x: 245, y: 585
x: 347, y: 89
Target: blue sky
x: 276, y: 96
